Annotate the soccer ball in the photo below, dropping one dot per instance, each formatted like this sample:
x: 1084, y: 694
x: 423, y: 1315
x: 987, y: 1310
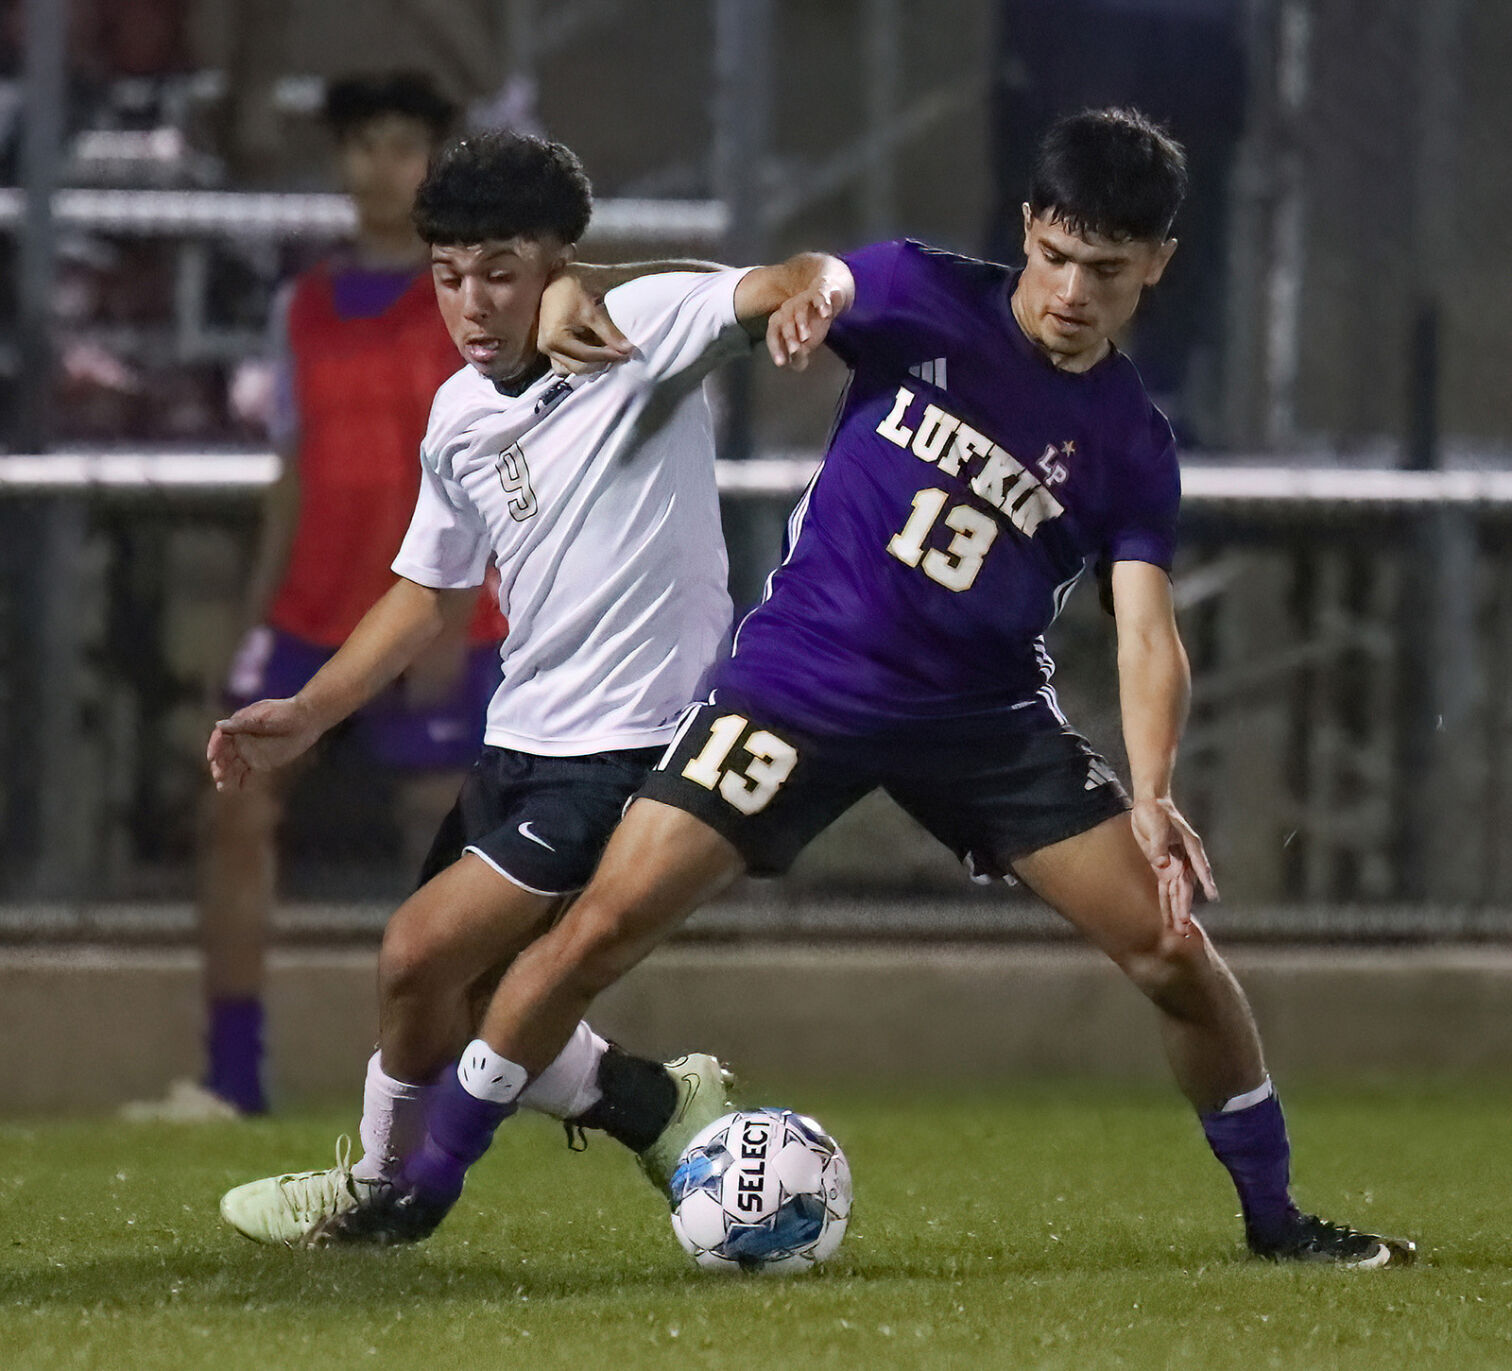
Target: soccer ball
x: 761, y: 1190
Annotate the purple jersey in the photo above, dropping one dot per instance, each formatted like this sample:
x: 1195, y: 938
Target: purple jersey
x: 967, y: 486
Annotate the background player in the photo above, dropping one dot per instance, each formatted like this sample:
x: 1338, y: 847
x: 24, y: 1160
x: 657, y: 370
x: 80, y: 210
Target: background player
x: 993, y: 444
x: 596, y: 497
x: 359, y: 351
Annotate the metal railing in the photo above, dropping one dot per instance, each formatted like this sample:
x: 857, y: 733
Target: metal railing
x: 279, y: 215
x: 1350, y: 631
x: 1232, y: 483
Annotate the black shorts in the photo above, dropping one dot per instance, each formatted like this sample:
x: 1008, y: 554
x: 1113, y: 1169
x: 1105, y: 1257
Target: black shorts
x: 991, y: 795
x: 540, y: 822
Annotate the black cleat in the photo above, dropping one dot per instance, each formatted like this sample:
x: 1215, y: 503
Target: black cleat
x: 390, y: 1218
x: 1307, y: 1238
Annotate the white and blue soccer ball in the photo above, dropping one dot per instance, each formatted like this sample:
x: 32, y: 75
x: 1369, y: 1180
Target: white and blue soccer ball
x: 761, y: 1190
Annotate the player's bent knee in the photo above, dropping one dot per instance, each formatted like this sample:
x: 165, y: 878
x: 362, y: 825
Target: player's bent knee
x: 596, y: 965
x: 597, y: 948
x: 410, y: 965
x: 1168, y: 963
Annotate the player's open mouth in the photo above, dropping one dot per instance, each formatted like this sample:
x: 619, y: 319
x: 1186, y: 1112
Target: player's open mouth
x: 1067, y: 322
x: 481, y: 350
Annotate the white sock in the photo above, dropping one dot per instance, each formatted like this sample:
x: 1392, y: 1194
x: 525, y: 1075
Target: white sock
x: 393, y: 1123
x: 1263, y: 1091
x: 569, y: 1086
x: 393, y: 1111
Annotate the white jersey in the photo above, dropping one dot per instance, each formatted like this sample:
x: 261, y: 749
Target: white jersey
x: 596, y: 497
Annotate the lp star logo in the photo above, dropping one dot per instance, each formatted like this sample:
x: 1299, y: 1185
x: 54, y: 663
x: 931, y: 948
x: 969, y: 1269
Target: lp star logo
x: 1052, y: 461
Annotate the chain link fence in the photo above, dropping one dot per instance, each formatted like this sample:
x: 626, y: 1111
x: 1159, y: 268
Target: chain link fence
x: 1337, y: 302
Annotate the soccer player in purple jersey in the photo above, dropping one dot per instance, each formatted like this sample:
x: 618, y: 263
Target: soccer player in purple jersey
x: 992, y: 446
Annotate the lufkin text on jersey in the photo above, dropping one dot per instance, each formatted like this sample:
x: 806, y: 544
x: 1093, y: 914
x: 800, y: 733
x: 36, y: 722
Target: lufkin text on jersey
x: 994, y: 474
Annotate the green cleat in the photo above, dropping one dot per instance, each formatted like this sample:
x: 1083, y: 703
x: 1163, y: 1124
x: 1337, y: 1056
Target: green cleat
x: 703, y: 1087
x: 294, y: 1209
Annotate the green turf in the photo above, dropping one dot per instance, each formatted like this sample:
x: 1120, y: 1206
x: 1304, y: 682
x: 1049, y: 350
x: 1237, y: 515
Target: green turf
x: 1043, y: 1226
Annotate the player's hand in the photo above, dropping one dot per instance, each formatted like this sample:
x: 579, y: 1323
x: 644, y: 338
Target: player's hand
x: 259, y: 737
x: 1175, y: 853
x: 574, y: 331
x: 800, y: 325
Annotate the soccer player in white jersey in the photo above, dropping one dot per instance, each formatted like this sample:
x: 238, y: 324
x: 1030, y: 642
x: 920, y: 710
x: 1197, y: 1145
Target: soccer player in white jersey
x: 595, y: 495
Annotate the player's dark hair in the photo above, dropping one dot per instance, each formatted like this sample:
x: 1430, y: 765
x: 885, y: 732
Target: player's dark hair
x: 503, y: 185
x: 1112, y: 172
x: 352, y: 101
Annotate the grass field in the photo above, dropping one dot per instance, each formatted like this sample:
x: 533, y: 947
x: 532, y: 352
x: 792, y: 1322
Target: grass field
x: 1044, y: 1226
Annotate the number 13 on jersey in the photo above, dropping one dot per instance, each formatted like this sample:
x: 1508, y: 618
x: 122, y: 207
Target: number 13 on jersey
x: 956, y: 565
x: 750, y: 789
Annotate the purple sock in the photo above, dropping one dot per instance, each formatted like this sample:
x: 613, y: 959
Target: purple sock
x: 1252, y: 1144
x: 234, y: 1045
x: 458, y: 1129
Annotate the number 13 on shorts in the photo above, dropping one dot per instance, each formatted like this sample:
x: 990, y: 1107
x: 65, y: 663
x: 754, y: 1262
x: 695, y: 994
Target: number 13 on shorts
x: 756, y: 774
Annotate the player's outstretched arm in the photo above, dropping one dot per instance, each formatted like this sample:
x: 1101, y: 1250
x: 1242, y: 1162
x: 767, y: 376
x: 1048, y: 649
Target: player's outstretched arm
x: 272, y: 733
x: 574, y: 330
x: 795, y: 302
x: 1154, y: 686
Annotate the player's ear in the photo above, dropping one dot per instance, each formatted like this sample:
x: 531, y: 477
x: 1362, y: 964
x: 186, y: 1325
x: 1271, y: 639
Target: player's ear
x: 1158, y: 260
x: 1028, y: 220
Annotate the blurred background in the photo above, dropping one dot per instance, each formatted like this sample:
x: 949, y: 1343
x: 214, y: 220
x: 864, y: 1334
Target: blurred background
x: 1331, y: 344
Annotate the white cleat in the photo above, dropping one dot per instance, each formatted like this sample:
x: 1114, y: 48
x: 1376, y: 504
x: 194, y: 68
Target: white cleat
x: 185, y: 1102
x: 294, y: 1209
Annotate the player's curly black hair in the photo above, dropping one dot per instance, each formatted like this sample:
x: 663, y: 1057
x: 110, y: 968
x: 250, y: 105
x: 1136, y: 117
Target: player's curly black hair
x: 1112, y: 172
x: 351, y: 101
x: 503, y: 185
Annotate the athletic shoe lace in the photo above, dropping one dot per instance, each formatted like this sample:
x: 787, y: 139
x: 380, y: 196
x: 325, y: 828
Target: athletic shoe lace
x: 311, y: 1195
x: 1322, y: 1234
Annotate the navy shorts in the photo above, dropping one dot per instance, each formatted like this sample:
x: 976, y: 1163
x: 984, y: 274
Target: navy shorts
x: 396, y: 731
x: 990, y: 794
x: 540, y: 822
